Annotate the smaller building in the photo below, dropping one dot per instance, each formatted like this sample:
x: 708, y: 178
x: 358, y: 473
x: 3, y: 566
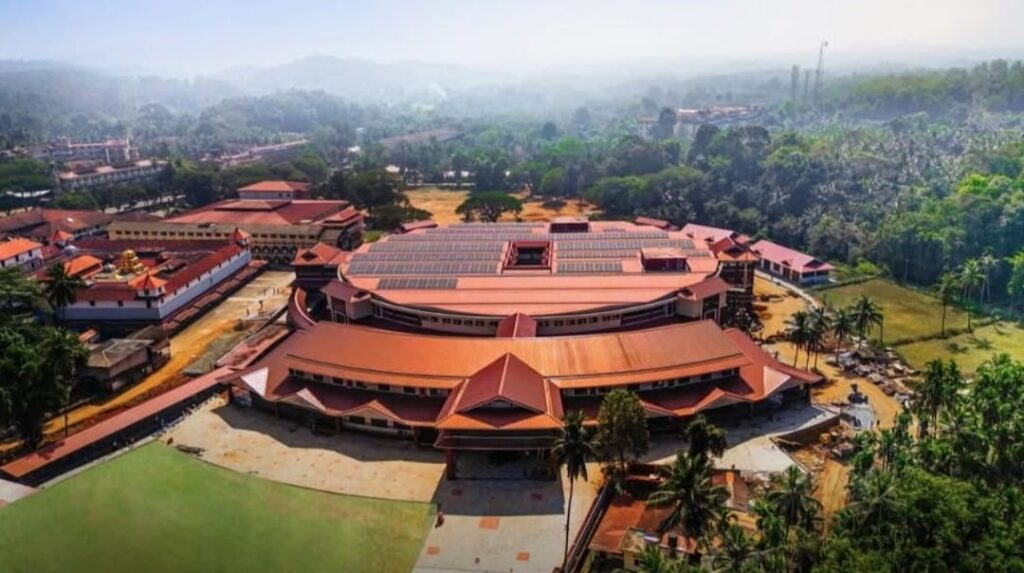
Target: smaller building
x: 46, y: 225
x: 318, y: 265
x: 106, y: 175
x: 134, y: 283
x: 111, y: 151
x: 119, y: 362
x: 629, y: 525
x: 791, y: 265
x: 274, y: 190
x: 22, y: 253
x: 274, y: 153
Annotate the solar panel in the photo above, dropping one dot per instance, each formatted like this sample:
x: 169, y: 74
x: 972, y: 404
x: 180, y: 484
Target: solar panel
x: 420, y: 268
x: 380, y: 257
x: 418, y: 283
x: 597, y: 254
x: 590, y: 267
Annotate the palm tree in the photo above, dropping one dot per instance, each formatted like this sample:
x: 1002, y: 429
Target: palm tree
x: 820, y: 325
x: 61, y: 289
x: 573, y: 449
x: 938, y: 390
x: 17, y: 290
x: 842, y: 326
x: 867, y: 314
x: 696, y: 502
x: 987, y: 263
x: 705, y: 438
x: 798, y: 329
x: 874, y: 501
x: 972, y: 276
x: 948, y: 285
x: 62, y: 351
x: 734, y: 552
x: 792, y: 496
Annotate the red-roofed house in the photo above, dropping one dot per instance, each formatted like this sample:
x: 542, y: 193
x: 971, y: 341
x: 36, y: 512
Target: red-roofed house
x: 22, y: 253
x: 791, y: 265
x: 267, y: 190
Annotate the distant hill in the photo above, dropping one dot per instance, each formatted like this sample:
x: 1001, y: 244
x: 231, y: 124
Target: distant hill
x: 358, y: 79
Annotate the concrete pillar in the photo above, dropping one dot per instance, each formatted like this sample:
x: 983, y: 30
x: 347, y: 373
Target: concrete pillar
x: 449, y: 464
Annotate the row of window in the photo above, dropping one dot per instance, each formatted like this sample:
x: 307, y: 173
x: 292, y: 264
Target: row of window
x: 659, y: 384
x: 395, y: 389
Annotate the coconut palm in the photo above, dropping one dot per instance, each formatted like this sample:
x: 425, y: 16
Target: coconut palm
x: 948, y: 285
x: 938, y: 390
x: 874, y: 501
x: 820, y: 325
x: 987, y: 263
x: 792, y: 496
x: 972, y: 276
x: 843, y: 324
x: 734, y: 552
x: 798, y: 329
x: 866, y: 315
x: 17, y: 290
x: 61, y: 353
x: 705, y: 439
x: 695, y: 501
x: 573, y: 449
x: 61, y: 289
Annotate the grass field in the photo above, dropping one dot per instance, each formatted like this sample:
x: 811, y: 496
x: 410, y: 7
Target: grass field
x: 442, y: 203
x: 907, y: 312
x: 156, y: 509
x: 969, y: 350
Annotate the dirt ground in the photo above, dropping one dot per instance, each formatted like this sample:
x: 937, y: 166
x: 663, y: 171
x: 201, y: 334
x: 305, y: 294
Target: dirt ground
x: 830, y: 479
x: 775, y: 313
x: 442, y: 203
x: 270, y: 289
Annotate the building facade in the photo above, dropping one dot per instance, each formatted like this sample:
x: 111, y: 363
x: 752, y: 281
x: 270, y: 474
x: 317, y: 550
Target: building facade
x: 107, y: 175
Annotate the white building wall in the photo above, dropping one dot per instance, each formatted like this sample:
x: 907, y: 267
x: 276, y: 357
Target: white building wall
x: 137, y: 310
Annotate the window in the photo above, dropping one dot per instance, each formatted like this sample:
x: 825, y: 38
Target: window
x: 378, y: 423
x: 357, y: 420
x: 384, y: 387
x: 120, y: 303
x: 408, y: 390
x: 360, y: 385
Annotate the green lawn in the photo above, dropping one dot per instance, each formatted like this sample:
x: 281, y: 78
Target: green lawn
x: 156, y: 509
x: 907, y: 312
x: 969, y: 350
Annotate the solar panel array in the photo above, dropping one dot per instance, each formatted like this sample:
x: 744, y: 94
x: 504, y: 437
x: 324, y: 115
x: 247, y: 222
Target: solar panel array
x: 424, y: 247
x: 590, y: 267
x: 430, y: 268
x: 417, y: 283
x: 601, y: 254
x: 623, y: 244
x: 387, y: 257
x: 524, y: 235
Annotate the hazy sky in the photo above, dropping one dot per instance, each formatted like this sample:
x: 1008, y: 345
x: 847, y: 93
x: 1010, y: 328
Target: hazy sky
x: 206, y: 35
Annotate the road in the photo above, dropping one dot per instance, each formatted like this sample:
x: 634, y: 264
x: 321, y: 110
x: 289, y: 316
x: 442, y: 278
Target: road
x: 270, y: 288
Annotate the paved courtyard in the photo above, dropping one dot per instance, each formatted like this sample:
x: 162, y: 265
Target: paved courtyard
x: 490, y: 525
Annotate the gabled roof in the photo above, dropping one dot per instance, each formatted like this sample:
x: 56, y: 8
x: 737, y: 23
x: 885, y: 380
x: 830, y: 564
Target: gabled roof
x: 709, y: 234
x: 319, y: 254
x: 17, y: 246
x: 704, y: 289
x: 507, y: 378
x: 60, y: 236
x: 81, y: 264
x: 800, y: 262
x: 728, y: 249
x: 516, y: 325
x: 147, y: 282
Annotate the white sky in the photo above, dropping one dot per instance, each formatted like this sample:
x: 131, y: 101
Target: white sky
x: 205, y: 35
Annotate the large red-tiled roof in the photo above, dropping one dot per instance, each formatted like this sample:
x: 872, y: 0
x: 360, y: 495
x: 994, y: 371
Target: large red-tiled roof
x: 199, y: 257
x: 710, y: 234
x: 596, y: 269
x: 790, y: 258
x: 42, y: 223
x: 275, y: 187
x: 17, y: 246
x: 257, y: 212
